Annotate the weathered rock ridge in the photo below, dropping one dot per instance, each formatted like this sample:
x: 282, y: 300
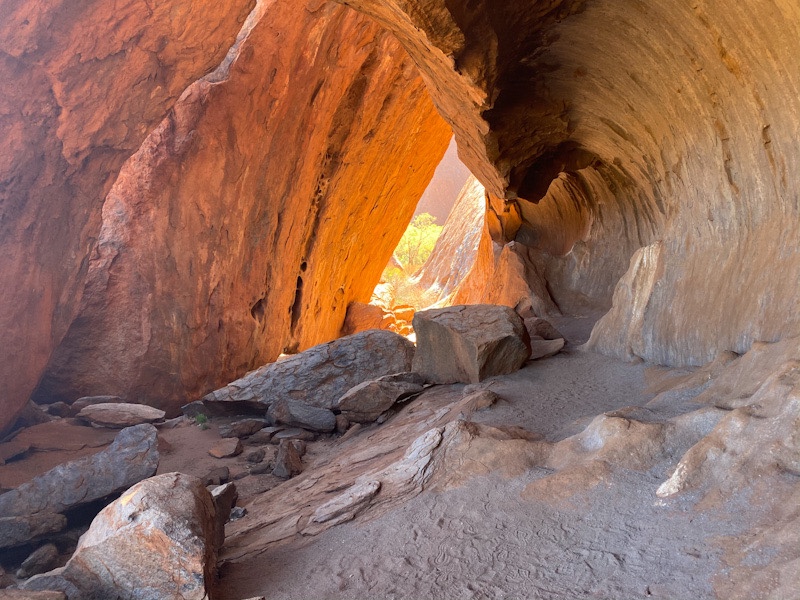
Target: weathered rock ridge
x: 255, y: 212
x: 80, y: 88
x: 602, y: 127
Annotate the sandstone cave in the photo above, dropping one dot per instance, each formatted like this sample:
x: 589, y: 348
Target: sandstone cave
x: 205, y: 395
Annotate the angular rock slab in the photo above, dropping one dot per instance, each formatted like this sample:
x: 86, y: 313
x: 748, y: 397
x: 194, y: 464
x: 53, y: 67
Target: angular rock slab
x: 288, y: 463
x: 120, y: 415
x: 19, y: 530
x: 158, y: 540
x: 365, y: 402
x: 295, y: 413
x: 132, y: 457
x: 226, y: 448
x: 467, y: 344
x: 541, y: 348
x: 322, y: 374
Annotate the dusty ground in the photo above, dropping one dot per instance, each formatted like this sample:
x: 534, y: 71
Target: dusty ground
x: 490, y: 537
x: 533, y: 498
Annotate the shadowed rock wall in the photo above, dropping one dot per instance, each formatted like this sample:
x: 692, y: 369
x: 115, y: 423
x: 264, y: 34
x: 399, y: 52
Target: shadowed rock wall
x: 81, y: 85
x: 266, y: 202
x: 667, y: 123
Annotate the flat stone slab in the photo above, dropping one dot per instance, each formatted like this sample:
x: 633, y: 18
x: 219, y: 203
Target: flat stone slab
x: 22, y: 529
x: 320, y: 375
x: 545, y: 348
x: 226, y: 448
x: 132, y: 457
x: 296, y: 413
x: 120, y: 415
x: 366, y: 402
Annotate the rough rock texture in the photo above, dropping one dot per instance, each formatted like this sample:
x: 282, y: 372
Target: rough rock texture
x: 81, y: 85
x: 455, y: 250
x: 288, y: 462
x: 132, y: 457
x: 40, y: 560
x: 596, y: 134
x: 242, y: 428
x: 541, y: 348
x: 365, y: 402
x: 269, y: 199
x: 156, y: 541
x: 27, y: 595
x: 362, y: 316
x: 444, y: 189
x: 469, y: 343
x: 22, y: 529
x: 321, y: 375
x: 120, y: 415
x: 296, y: 413
x: 226, y: 448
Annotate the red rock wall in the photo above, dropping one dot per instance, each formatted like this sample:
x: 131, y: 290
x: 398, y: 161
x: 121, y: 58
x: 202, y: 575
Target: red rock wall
x: 266, y: 202
x: 682, y: 118
x: 81, y: 85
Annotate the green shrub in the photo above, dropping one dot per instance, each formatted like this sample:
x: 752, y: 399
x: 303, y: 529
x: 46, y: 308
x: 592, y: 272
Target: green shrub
x: 417, y: 242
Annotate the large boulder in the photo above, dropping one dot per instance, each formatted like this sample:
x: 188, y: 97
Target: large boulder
x: 321, y: 375
x: 365, y: 402
x: 362, y: 316
x: 157, y: 541
x: 468, y: 344
x: 132, y: 457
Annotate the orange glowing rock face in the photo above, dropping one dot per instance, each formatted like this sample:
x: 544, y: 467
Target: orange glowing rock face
x: 266, y: 202
x: 272, y: 195
x: 80, y: 87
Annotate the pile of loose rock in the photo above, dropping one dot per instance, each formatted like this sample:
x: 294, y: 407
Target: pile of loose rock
x: 161, y: 536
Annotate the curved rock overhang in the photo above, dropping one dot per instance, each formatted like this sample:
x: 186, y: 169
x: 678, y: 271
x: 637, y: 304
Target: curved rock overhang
x: 666, y: 125
x: 179, y: 206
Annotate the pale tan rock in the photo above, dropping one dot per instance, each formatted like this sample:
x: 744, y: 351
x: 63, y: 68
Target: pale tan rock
x: 469, y: 343
x: 541, y: 348
x: 542, y: 328
x: 120, y: 415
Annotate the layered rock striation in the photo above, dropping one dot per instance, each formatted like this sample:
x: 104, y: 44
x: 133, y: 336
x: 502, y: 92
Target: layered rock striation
x: 255, y: 213
x: 599, y: 128
x: 81, y: 86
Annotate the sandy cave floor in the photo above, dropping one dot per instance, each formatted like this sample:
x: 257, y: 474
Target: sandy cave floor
x: 610, y: 537
x: 503, y: 527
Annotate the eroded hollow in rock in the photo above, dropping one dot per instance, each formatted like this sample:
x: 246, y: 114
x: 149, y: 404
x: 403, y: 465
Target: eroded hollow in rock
x: 187, y: 194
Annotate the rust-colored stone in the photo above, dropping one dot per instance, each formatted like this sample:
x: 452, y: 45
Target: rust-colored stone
x: 262, y: 206
x: 81, y: 85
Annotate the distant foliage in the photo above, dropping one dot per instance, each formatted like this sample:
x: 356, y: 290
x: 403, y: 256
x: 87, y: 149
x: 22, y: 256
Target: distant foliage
x: 417, y: 242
